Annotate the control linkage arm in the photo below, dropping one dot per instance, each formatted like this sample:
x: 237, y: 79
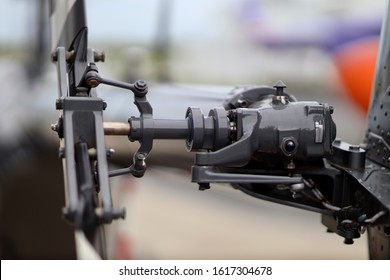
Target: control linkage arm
x: 267, y: 144
x: 263, y: 122
x: 262, y: 141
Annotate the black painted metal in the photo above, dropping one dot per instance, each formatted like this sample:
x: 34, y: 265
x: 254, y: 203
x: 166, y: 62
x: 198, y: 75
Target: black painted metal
x: 67, y: 18
x: 268, y: 145
x: 377, y: 136
x: 377, y: 141
x: 348, y: 156
x: 378, y: 130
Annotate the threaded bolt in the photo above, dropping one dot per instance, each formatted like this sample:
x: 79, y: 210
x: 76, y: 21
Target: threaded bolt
x: 54, y: 56
x: 204, y: 186
x: 99, y: 56
x: 141, y: 87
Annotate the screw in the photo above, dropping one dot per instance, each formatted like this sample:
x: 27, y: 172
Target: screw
x: 61, y: 152
x: 242, y: 103
x: 93, y: 82
x: 59, y: 104
x: 354, y: 147
x: 280, y: 86
x: 290, y: 165
x: 54, y: 56
x: 54, y: 127
x: 119, y: 213
x: 348, y: 241
x: 99, y: 56
x: 140, y: 84
x: 110, y: 153
x: 99, y: 212
x: 92, y: 77
x: 141, y: 87
x: 204, y: 186
x: 141, y: 157
x: 140, y: 162
x: 67, y: 214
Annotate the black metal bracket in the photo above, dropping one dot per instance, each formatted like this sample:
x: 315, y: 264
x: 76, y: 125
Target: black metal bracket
x: 81, y: 130
x: 142, y: 128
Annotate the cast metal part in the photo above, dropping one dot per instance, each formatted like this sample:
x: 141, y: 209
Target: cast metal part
x: 262, y: 123
x: 263, y: 141
x: 81, y: 128
x: 279, y: 128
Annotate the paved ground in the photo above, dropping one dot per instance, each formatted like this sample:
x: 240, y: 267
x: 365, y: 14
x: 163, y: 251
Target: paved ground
x: 168, y: 218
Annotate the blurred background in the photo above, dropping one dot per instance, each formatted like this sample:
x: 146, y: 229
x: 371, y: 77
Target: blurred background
x: 193, y: 53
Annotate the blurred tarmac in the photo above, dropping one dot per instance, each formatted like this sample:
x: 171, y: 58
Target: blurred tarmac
x: 168, y: 218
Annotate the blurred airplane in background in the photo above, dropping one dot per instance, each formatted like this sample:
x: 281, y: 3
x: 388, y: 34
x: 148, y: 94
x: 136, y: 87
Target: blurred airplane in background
x: 351, y: 37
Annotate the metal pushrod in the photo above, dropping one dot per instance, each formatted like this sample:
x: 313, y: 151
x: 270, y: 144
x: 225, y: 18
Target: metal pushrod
x: 116, y: 128
x: 162, y: 129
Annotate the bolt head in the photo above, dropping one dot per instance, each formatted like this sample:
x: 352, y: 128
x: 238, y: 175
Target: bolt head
x: 99, y: 56
x: 348, y: 241
x: 280, y: 84
x: 92, y: 82
x: 59, y: 104
x: 242, y: 103
x: 141, y: 88
x: 204, y: 186
x: 54, y: 127
x: 110, y: 153
x: 354, y: 147
x: 141, y: 157
x: 61, y: 152
x: 140, y: 83
x: 54, y: 56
